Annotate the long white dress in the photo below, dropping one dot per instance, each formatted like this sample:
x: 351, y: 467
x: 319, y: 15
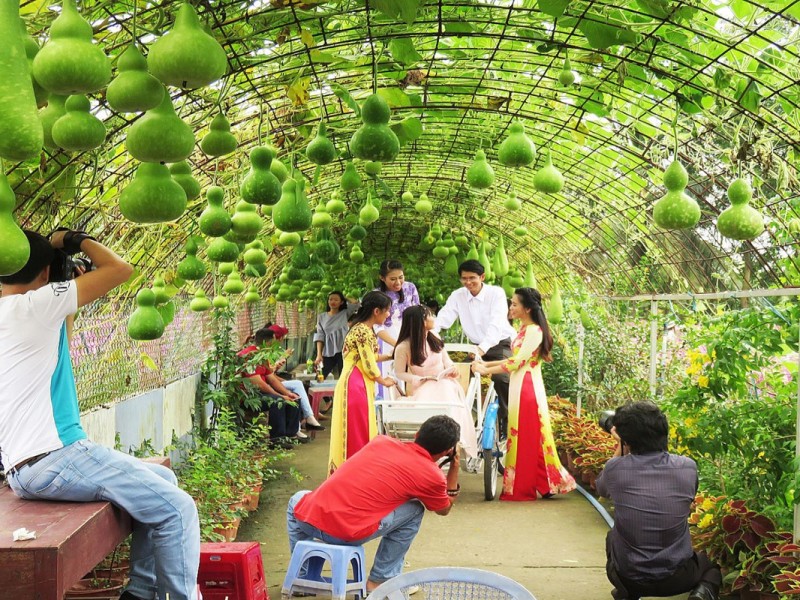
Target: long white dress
x: 444, y: 390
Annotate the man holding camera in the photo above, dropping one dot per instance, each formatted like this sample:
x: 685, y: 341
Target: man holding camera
x: 44, y: 447
x: 649, y: 549
x: 382, y: 491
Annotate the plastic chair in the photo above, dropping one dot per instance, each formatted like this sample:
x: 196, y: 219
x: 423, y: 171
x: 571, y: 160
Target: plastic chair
x: 452, y: 583
x: 312, y: 556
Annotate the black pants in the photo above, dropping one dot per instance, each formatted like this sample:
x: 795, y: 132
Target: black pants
x: 499, y: 352
x: 332, y: 364
x: 695, y: 569
x: 284, y: 418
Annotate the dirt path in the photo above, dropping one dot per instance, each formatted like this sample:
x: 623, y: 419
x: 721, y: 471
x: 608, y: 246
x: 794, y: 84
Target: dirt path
x: 555, y: 547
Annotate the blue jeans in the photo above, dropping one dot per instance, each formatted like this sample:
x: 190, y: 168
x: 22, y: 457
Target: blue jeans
x: 165, y: 549
x: 296, y: 386
x: 396, y: 530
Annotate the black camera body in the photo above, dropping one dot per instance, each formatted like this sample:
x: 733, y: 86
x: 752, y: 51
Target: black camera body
x: 606, y: 420
x: 64, y: 267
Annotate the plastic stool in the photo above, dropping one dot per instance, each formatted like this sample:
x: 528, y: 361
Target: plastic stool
x: 312, y: 556
x: 231, y: 571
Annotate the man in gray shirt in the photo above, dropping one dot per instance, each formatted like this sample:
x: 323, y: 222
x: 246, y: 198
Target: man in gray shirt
x: 649, y: 550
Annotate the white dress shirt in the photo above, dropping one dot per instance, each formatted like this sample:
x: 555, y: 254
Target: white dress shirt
x: 484, y: 318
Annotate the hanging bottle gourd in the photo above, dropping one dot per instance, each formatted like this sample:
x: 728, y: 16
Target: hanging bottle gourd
x: 566, y: 77
x: 335, y: 205
x: 20, y: 128
x: 145, y: 323
x: 548, y: 179
x: 252, y: 296
x: 375, y: 140
x: 676, y: 210
x: 320, y: 150
x: 278, y: 169
x: 186, y: 56
x: 292, y: 212
x: 160, y: 290
x: 440, y: 251
x: 586, y: 320
x: 740, y: 221
x: 473, y: 253
x: 350, y: 180
x: 70, y: 63
x: 356, y: 253
x: 49, y: 115
x: 219, y: 140
x: 245, y: 222
x: 214, y: 221
x: 288, y: 239
x: 423, y: 205
x: 78, y: 130
x: 182, y: 174
x: 512, y: 202
x: 200, y: 303
x: 501, y: 266
x: 160, y: 135
x: 555, y: 309
x: 520, y: 231
x: 191, y: 268
x: 372, y: 168
x: 134, y: 89
x: 226, y: 268
x: 255, y: 254
x: 407, y: 197
x: 220, y: 301
x: 233, y: 284
x: 15, y: 250
x: 31, y: 50
x: 369, y: 212
x: 357, y: 233
x: 221, y: 250
x: 517, y: 150
x: 451, y: 265
x: 480, y: 174
x: 325, y: 247
x: 261, y: 185
x: 300, y: 258
x: 321, y: 218
x: 483, y: 258
x: 152, y: 196
x: 515, y: 279
x: 505, y: 283
x: 530, y: 278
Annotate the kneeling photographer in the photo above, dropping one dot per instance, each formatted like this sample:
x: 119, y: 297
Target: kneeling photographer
x: 649, y: 549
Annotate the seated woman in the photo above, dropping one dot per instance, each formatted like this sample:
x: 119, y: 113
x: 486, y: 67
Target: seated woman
x: 422, y: 362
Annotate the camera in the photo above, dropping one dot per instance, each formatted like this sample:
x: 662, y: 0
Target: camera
x: 606, y: 420
x: 64, y: 267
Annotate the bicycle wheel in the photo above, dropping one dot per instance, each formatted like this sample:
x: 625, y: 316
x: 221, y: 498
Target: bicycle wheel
x: 491, y: 467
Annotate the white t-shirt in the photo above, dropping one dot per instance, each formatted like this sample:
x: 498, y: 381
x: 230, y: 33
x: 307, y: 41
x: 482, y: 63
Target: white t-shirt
x: 484, y: 318
x: 38, y: 401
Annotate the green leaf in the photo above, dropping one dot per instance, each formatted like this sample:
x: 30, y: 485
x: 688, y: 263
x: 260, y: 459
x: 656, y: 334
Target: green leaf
x: 554, y: 8
x: 748, y: 95
x: 602, y: 32
x: 595, y: 104
x: 326, y: 57
x: 394, y: 97
x: 403, y: 51
x: 397, y: 9
x: 345, y: 97
x: 458, y: 27
x: 407, y: 130
x: 148, y: 362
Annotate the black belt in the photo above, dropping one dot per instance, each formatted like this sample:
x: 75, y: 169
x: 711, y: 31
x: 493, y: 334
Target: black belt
x: 28, y: 462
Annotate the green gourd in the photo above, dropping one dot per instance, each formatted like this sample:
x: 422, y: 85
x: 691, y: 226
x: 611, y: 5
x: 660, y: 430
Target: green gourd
x: 423, y: 205
x: 152, y: 196
x: 252, y: 296
x: 182, y: 174
x: 515, y: 279
x: 335, y: 206
x: 187, y: 56
x: 501, y: 266
x: 191, y: 268
x: 407, y: 197
x: 134, y: 89
x: 740, y: 221
x: 292, y: 212
x: 220, y: 302
x: 480, y: 174
x: 520, y: 231
x: 473, y: 253
x: 566, y: 77
x: 356, y: 254
x: 160, y: 291
x: 261, y: 185
x: 350, y: 180
x: 483, y: 258
x: 300, y: 259
x: 233, y: 284
x: 288, y: 238
x: 49, y: 115
x: 200, y: 303
x: 548, y: 179
x: 440, y: 250
x: 373, y: 168
x: 78, y: 130
x: 226, y: 268
x: 555, y: 308
x: 221, y: 250
x: 279, y: 169
x: 320, y: 150
x: 325, y: 248
x: 145, y: 323
x: 214, y: 221
x: 512, y: 202
x: 15, y: 250
x: 530, y: 278
x: 505, y: 283
x: 451, y: 265
x: 357, y: 233
x: 481, y: 213
x: 257, y: 270
x: 70, y: 63
x: 321, y: 218
x: 31, y: 50
x: 369, y: 212
x: 219, y: 140
x: 375, y: 140
x: 676, y: 210
x: 245, y: 221
x: 160, y: 135
x: 255, y: 254
x: 517, y: 150
x: 586, y: 320
x: 20, y: 129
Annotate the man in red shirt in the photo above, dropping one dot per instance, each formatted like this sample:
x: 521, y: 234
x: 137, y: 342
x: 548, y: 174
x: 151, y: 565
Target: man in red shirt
x: 381, y: 491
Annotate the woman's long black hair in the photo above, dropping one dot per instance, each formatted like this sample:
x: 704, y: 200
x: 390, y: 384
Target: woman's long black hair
x: 369, y: 303
x: 532, y: 300
x: 413, y: 330
x: 391, y: 265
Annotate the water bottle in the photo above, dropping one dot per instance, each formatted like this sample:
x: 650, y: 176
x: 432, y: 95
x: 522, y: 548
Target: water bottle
x: 320, y: 376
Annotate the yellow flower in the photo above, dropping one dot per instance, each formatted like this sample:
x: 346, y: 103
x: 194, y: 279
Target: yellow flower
x: 708, y: 504
x: 702, y: 381
x: 706, y: 521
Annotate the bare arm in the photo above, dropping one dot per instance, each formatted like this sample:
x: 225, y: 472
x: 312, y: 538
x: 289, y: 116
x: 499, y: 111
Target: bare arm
x: 452, y: 482
x: 386, y: 337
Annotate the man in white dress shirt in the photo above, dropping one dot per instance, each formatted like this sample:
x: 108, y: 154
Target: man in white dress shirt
x: 483, y: 312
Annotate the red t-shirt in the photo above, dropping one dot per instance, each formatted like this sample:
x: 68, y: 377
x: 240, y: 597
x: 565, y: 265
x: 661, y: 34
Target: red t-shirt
x: 369, y: 485
x: 261, y: 370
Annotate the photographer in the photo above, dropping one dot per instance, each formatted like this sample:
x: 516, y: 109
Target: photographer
x: 649, y: 549
x: 382, y: 491
x: 45, y: 449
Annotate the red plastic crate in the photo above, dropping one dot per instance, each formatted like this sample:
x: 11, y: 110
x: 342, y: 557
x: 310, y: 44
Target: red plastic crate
x: 232, y: 571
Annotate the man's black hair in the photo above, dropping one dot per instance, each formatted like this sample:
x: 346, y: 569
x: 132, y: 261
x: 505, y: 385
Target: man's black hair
x: 264, y: 335
x: 42, y: 254
x: 438, y: 434
x: 471, y: 266
x: 642, y: 426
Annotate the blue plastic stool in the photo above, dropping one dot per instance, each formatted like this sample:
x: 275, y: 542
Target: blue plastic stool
x: 312, y: 556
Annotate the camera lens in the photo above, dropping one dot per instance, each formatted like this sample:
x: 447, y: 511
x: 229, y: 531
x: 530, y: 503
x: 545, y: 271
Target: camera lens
x: 606, y: 420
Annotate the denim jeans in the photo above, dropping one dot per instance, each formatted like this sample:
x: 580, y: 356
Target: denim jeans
x: 165, y: 549
x: 293, y: 385
x: 396, y: 530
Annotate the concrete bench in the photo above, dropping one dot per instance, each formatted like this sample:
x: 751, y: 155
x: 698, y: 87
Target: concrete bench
x: 71, y: 539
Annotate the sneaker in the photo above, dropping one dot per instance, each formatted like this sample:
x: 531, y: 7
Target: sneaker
x: 413, y: 589
x: 301, y: 435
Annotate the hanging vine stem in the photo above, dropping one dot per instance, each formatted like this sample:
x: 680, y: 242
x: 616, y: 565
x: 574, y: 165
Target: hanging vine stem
x: 675, y: 130
x: 372, y: 49
x: 133, y: 21
x: 260, y: 124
